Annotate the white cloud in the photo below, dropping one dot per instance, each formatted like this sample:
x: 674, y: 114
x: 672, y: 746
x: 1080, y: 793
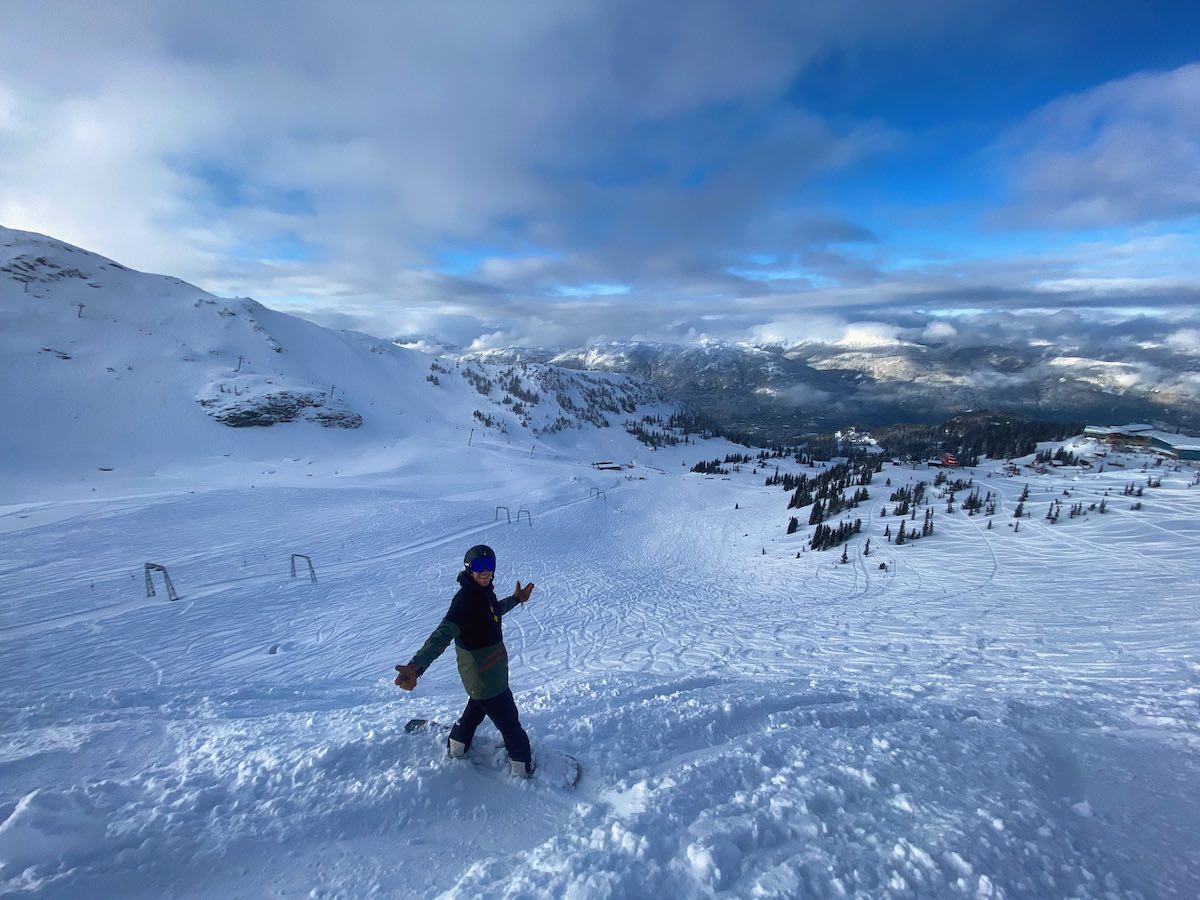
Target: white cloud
x: 869, y: 334
x: 91, y: 169
x: 1123, y: 152
x: 164, y: 136
x: 495, y: 341
x: 788, y: 330
x: 1185, y: 340
x: 160, y: 136
x: 804, y: 396
x: 939, y: 331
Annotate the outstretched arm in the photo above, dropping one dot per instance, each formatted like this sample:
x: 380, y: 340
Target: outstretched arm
x: 520, y: 595
x: 446, y: 632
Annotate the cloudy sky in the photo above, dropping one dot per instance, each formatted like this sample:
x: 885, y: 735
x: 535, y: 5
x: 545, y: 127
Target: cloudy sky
x: 555, y: 174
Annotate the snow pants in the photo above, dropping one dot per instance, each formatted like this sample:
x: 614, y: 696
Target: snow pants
x: 502, y: 710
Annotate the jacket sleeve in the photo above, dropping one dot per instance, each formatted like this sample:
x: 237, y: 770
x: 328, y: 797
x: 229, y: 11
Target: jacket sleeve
x: 446, y: 632
x: 508, y: 603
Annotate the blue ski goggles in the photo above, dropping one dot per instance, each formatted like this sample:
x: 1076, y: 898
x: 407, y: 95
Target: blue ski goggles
x: 483, y: 564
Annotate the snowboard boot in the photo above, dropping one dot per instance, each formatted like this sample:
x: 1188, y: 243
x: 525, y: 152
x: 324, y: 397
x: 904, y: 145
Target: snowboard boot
x: 519, y: 769
x: 455, y: 749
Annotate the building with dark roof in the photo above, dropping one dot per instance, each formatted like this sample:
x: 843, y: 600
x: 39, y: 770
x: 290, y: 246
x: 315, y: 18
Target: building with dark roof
x: 1176, y: 446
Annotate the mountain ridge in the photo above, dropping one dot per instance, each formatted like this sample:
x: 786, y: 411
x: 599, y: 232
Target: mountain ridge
x: 781, y: 393
x: 134, y: 370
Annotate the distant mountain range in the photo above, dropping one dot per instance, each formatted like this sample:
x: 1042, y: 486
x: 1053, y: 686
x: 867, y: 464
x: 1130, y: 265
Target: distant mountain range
x: 121, y: 363
x: 780, y: 393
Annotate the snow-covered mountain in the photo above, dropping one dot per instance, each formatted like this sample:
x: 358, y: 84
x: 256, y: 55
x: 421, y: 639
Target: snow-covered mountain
x: 1001, y: 705
x: 106, y: 369
x: 754, y: 390
x: 778, y: 393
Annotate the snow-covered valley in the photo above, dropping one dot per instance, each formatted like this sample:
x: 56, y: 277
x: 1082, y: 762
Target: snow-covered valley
x: 1009, y: 710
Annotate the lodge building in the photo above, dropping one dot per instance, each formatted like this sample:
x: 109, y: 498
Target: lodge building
x: 1175, y: 446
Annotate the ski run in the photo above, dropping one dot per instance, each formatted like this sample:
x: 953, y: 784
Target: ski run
x: 996, y: 714
x: 1004, y: 708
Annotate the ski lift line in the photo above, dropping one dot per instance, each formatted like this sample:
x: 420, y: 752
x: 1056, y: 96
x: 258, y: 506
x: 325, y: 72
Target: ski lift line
x: 451, y: 537
x: 543, y: 453
x: 212, y: 587
x: 348, y: 566
x: 199, y: 591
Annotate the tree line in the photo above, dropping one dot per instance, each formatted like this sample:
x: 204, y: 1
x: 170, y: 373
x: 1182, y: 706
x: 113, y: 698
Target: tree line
x: 972, y: 435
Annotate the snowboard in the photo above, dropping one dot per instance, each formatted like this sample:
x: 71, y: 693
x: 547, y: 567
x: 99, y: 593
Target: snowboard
x: 550, y: 766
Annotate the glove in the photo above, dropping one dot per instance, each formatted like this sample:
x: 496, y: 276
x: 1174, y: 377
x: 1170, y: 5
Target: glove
x: 407, y: 678
x: 522, y: 593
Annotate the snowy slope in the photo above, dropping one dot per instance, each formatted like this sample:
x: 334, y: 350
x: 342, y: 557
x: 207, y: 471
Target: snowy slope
x: 111, y: 374
x: 1004, y: 711
x: 995, y: 714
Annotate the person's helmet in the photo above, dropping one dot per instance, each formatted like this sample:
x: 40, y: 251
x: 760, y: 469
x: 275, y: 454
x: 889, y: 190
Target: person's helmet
x: 480, y: 558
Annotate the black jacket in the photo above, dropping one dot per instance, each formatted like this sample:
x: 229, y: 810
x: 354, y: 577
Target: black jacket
x: 473, y: 622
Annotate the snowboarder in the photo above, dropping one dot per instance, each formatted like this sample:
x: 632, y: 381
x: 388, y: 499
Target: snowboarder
x: 473, y: 623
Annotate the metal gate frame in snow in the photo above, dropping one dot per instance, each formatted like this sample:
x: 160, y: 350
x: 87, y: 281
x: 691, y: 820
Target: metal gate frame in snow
x: 155, y: 567
x: 312, y: 573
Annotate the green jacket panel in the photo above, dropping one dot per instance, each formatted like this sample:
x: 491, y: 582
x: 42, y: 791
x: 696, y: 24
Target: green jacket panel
x: 484, y: 670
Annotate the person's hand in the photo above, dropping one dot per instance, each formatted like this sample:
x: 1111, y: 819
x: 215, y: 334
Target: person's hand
x: 522, y: 593
x: 407, y: 678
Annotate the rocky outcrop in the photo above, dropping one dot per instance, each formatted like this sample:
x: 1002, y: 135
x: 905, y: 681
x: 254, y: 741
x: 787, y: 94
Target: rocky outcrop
x: 277, y: 407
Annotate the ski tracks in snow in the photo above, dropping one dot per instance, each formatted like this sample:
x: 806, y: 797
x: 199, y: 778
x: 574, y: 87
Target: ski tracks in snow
x: 749, y: 723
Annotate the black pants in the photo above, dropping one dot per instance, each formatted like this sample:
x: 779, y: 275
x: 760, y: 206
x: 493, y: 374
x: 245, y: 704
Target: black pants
x: 502, y: 710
